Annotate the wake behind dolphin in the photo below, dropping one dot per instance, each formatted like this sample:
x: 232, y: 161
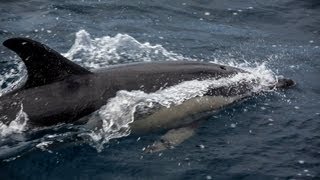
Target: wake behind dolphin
x: 60, y: 91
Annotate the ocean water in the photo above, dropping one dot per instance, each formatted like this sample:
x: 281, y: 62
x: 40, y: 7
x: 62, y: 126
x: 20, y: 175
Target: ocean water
x: 272, y: 136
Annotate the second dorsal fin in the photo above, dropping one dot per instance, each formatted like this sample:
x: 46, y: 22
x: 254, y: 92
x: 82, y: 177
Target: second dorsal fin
x: 44, y: 65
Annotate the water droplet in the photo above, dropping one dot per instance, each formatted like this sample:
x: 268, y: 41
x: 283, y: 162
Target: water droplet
x: 207, y: 13
x: 208, y: 177
x: 301, y: 161
x: 235, y: 13
x: 233, y: 125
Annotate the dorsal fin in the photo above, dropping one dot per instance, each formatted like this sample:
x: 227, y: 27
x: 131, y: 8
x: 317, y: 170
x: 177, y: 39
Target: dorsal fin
x: 44, y: 65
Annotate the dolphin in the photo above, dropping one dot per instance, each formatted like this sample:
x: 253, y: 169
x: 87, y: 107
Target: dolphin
x: 58, y: 90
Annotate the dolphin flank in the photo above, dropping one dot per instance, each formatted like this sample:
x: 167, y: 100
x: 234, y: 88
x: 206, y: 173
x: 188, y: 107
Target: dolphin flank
x: 60, y: 91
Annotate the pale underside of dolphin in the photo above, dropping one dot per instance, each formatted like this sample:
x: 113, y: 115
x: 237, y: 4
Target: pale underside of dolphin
x: 60, y: 91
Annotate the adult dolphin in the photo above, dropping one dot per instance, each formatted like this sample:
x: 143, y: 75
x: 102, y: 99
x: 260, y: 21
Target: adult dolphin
x: 60, y: 91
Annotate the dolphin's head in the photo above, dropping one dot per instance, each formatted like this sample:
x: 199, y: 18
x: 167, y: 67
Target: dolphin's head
x: 284, y: 83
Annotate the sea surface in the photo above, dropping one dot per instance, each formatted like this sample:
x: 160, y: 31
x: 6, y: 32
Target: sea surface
x: 272, y: 136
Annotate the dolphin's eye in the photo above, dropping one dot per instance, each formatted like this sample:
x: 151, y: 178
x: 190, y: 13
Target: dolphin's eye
x: 223, y: 67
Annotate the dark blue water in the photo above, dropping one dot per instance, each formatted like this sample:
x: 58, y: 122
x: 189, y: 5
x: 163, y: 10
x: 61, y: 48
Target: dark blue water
x: 275, y: 136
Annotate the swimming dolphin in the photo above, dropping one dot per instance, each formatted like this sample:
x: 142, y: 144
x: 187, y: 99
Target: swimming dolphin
x: 60, y: 91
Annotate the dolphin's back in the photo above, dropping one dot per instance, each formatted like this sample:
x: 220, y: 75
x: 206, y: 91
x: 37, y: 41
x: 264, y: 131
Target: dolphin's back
x: 150, y: 77
x: 58, y: 90
x: 79, y: 95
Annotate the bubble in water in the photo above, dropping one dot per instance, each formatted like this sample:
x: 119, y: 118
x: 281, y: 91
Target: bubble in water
x: 301, y: 161
x: 233, y: 125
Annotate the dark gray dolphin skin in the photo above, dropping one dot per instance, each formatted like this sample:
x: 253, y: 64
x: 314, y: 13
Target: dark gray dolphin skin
x: 60, y: 91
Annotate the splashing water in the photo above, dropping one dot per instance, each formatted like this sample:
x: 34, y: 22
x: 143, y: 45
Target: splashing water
x: 18, y: 125
x: 119, y: 111
x: 122, y: 48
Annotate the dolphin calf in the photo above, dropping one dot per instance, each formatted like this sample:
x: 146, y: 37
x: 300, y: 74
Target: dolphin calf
x: 60, y: 91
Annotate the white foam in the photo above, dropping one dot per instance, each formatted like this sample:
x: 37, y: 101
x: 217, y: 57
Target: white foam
x: 43, y: 145
x: 122, y: 48
x: 18, y: 125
